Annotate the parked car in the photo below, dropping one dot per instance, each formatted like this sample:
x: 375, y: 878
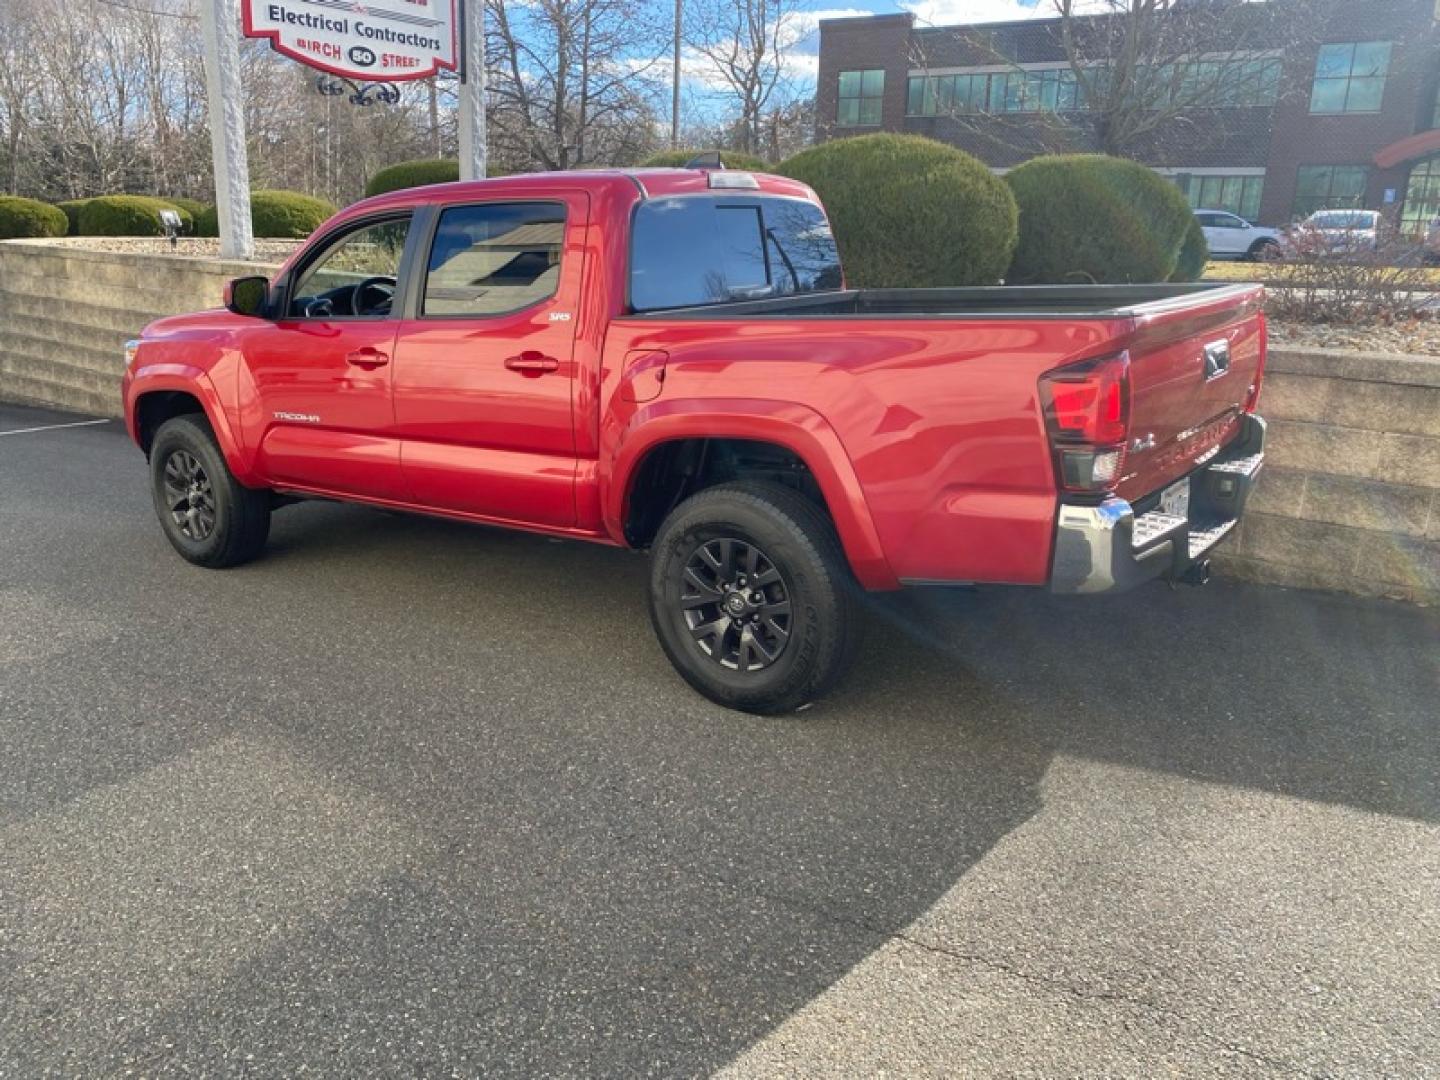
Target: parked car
x: 1231, y: 237
x: 1334, y: 232
x: 669, y: 360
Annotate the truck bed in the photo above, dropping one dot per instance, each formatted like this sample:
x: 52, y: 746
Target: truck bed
x: 984, y: 302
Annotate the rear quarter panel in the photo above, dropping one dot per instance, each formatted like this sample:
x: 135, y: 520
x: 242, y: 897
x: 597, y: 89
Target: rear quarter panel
x: 937, y: 421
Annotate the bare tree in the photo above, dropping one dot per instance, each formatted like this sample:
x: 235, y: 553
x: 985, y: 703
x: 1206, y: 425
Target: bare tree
x: 569, y: 81
x: 20, y: 76
x: 745, y: 46
x: 1146, y: 67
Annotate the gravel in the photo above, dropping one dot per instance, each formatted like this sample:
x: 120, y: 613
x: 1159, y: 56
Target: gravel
x: 187, y: 247
x: 1416, y: 337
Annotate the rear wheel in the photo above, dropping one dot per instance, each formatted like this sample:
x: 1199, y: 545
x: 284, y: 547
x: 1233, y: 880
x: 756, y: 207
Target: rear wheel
x: 1264, y: 251
x: 751, y: 597
x: 208, y: 516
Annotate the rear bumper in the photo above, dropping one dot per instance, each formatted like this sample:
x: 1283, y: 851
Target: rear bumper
x: 1110, y: 547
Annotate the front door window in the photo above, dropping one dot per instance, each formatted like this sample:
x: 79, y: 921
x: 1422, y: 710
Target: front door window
x: 355, y: 276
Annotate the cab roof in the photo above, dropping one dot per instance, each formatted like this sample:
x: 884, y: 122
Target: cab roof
x: 648, y: 183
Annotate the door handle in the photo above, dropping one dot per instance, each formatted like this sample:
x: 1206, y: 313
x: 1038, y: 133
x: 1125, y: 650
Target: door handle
x: 367, y: 357
x: 532, y: 362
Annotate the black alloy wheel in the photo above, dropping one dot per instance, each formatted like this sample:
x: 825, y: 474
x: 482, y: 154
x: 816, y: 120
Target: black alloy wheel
x: 208, y: 516
x: 189, y: 495
x: 751, y: 596
x: 736, y: 604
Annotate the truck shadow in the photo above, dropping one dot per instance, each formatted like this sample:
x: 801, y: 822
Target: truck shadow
x: 622, y: 878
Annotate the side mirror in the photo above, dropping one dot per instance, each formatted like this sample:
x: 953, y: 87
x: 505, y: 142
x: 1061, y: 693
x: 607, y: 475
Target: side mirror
x: 247, y: 295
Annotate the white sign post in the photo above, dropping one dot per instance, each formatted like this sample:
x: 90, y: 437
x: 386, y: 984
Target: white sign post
x: 227, y: 128
x: 472, y: 93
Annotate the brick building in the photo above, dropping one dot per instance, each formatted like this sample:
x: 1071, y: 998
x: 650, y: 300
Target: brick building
x: 1342, y: 109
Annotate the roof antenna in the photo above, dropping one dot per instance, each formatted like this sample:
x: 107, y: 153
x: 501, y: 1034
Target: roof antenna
x: 708, y: 160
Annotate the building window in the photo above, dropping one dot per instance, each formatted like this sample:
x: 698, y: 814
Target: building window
x: 1045, y: 90
x: 1236, y: 194
x: 1350, y: 77
x: 1422, y: 198
x: 861, y: 93
x: 1326, y: 187
x: 1235, y: 82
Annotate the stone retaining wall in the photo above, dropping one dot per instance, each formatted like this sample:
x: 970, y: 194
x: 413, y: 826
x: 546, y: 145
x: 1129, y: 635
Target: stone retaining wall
x: 1350, y: 497
x: 66, y: 313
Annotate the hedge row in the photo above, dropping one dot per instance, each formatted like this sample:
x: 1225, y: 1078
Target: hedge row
x: 410, y: 174
x: 286, y: 215
x: 128, y: 215
x: 1088, y: 218
x: 909, y: 212
x: 29, y: 218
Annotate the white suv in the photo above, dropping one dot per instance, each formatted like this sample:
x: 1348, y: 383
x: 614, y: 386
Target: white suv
x: 1231, y: 237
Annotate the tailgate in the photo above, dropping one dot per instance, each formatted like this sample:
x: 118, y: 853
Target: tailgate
x: 1194, y: 364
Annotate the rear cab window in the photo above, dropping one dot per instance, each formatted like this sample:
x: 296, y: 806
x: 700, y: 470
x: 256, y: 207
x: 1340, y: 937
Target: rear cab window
x: 691, y: 250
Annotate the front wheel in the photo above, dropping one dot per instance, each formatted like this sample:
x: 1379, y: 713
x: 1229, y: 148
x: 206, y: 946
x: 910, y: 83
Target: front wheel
x: 751, y: 597
x: 208, y: 516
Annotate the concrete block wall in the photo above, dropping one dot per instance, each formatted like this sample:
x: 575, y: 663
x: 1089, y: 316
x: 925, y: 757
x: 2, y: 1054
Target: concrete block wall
x: 1350, y: 495
x: 66, y: 313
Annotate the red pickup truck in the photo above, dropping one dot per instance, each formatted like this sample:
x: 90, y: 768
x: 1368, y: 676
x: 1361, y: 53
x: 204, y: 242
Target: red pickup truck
x: 669, y: 359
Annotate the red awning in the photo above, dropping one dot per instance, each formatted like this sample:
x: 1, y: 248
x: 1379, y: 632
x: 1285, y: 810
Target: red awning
x: 1408, y: 149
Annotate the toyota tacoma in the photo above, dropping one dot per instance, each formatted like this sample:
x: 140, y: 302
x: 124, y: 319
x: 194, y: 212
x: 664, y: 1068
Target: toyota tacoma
x: 670, y: 360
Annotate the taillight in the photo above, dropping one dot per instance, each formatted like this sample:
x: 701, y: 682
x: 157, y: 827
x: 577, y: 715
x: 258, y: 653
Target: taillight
x: 1252, y: 396
x: 1087, y: 413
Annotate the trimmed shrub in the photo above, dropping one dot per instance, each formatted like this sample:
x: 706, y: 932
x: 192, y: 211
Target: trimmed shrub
x: 410, y: 174
x: 1093, y: 218
x: 910, y: 212
x: 290, y: 215
x: 207, y: 222
x: 733, y: 159
x: 71, y: 209
x: 129, y: 215
x: 193, y: 207
x: 30, y: 217
x: 1194, y: 254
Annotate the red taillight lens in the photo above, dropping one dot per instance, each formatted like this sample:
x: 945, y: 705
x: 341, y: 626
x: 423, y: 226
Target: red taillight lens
x: 1087, y: 413
x: 1089, y: 402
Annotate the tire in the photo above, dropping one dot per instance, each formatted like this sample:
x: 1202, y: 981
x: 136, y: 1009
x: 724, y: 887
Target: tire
x: 788, y: 548
x: 224, y: 523
x: 1264, y: 251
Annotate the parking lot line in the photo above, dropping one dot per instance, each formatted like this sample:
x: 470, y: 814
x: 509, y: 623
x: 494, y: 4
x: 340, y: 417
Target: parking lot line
x: 53, y: 427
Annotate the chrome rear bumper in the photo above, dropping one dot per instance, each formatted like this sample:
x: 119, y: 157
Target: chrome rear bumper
x: 1108, y: 547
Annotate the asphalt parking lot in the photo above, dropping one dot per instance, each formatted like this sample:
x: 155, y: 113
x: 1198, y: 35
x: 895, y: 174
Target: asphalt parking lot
x: 413, y: 798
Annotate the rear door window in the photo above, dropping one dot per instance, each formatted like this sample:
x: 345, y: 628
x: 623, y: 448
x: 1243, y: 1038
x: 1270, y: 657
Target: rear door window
x: 709, y: 249
x: 494, y: 258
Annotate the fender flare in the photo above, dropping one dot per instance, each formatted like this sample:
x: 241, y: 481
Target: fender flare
x: 188, y: 379
x: 797, y: 428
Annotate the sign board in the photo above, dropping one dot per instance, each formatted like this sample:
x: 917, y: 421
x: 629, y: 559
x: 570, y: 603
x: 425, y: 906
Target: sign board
x: 364, y: 40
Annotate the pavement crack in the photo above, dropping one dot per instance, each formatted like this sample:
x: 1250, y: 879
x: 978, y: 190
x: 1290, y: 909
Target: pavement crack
x: 1078, y: 993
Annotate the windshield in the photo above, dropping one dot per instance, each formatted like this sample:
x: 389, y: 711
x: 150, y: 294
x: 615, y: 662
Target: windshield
x: 709, y: 249
x: 1344, y: 219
